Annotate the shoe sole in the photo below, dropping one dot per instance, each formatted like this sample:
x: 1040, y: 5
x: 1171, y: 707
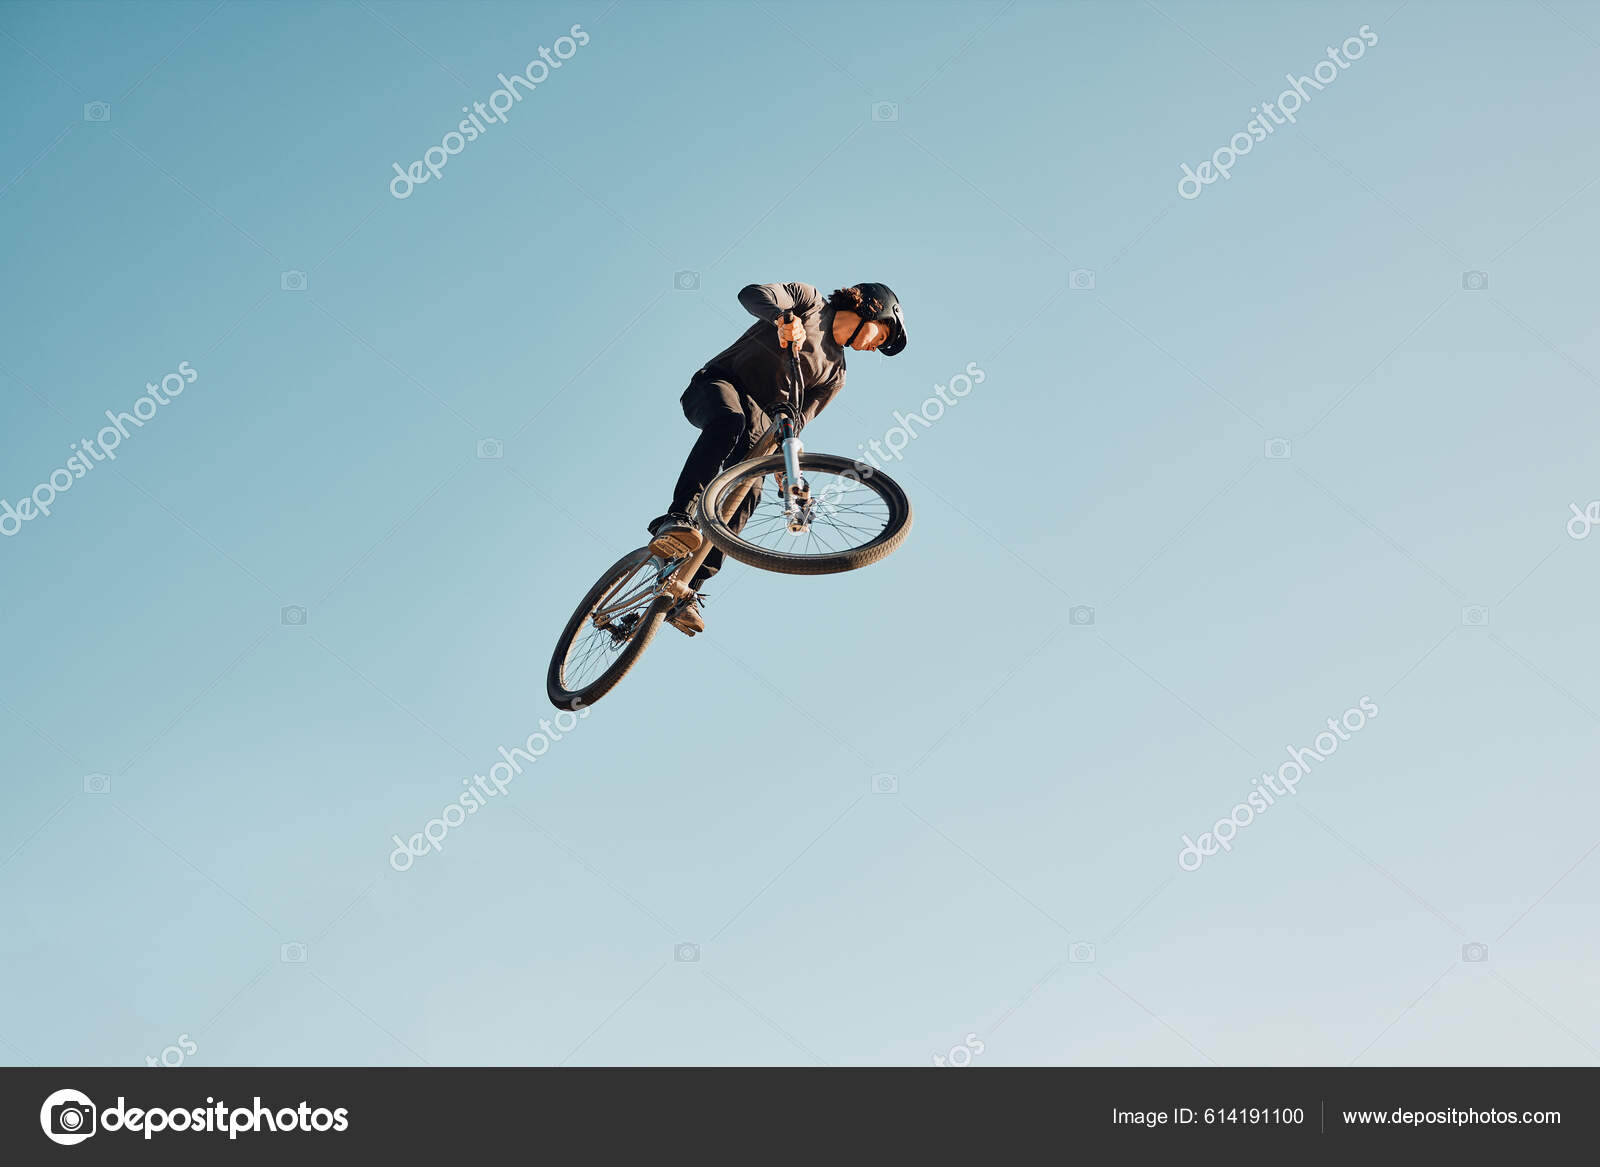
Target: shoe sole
x: 676, y: 545
x: 687, y: 623
x: 685, y: 626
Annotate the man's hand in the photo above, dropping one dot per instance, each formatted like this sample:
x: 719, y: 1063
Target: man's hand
x: 791, y: 330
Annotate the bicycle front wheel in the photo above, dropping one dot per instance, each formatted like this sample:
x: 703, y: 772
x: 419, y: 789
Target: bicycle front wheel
x: 857, y: 515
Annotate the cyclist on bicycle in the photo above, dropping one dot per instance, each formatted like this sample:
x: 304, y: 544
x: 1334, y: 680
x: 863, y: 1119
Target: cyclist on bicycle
x: 726, y: 399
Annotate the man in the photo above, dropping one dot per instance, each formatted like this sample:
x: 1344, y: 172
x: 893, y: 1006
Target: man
x: 726, y: 400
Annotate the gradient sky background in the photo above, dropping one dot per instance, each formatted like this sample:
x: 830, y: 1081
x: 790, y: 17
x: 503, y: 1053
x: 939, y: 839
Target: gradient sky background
x: 721, y: 796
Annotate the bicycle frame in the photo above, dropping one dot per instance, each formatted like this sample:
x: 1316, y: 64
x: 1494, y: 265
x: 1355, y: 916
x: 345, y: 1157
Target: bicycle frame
x: 782, y: 433
x: 785, y: 434
x: 612, y: 604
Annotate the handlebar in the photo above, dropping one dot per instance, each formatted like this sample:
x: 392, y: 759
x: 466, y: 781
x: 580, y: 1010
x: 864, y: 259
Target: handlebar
x: 796, y: 386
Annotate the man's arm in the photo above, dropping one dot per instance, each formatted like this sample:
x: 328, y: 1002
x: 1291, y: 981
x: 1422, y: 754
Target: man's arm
x: 770, y: 301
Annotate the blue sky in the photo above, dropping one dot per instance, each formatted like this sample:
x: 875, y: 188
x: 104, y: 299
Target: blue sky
x: 1113, y: 461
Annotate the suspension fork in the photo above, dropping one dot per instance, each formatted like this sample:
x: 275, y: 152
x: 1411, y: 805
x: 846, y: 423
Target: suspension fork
x: 796, y: 491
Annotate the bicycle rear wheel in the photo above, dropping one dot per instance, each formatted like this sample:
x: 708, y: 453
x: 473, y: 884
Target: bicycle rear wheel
x: 857, y: 516
x: 611, y: 627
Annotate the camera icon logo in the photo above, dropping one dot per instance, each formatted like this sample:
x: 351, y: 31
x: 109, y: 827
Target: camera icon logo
x: 68, y: 1117
x: 1081, y: 953
x: 1277, y: 449
x: 294, y: 616
x: 1474, y: 953
x: 686, y: 281
x: 1080, y: 614
x: 686, y: 953
x: 1475, y: 616
x: 885, y: 111
x: 293, y: 952
x: 292, y: 281
x: 1474, y: 281
x: 885, y: 784
x: 490, y: 448
x: 1080, y: 279
x: 97, y: 784
x: 97, y: 111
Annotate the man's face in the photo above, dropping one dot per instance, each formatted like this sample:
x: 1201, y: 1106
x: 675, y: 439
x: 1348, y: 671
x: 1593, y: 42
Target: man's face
x: 872, y: 334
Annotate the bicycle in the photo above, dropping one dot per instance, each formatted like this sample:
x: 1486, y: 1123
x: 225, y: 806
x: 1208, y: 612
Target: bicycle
x: 828, y: 514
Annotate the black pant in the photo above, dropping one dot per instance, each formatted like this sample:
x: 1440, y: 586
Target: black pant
x: 729, y: 424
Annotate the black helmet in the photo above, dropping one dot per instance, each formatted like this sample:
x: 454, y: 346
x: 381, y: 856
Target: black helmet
x: 878, y: 302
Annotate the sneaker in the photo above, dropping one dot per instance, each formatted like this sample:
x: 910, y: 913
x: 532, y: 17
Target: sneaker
x: 674, y: 537
x: 687, y: 617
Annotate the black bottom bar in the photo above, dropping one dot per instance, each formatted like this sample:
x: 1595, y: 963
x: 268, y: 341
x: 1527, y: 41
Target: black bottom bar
x: 326, y: 1115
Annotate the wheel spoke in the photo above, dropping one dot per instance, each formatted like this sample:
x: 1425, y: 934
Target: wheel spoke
x: 593, y: 649
x: 847, y: 513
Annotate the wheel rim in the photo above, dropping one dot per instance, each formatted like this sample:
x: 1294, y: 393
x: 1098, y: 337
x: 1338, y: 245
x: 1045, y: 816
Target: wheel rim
x: 610, y: 625
x: 846, y: 513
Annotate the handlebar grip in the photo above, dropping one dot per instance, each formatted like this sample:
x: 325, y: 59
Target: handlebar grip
x: 796, y: 393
